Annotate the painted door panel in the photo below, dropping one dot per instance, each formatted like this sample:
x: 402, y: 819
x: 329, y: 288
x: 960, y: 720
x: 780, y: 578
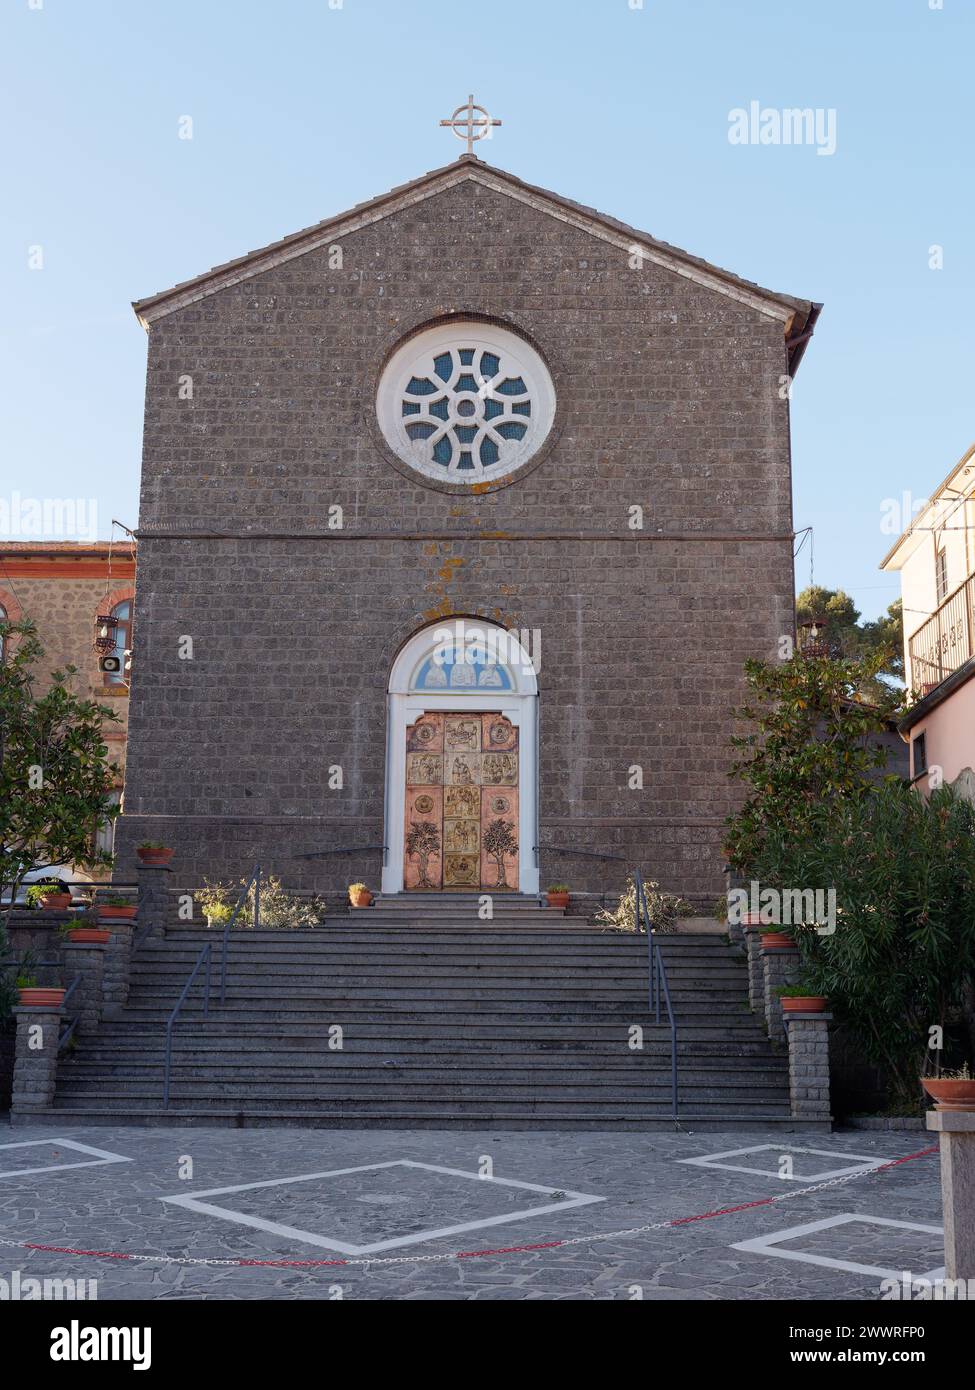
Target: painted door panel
x: 462, y: 825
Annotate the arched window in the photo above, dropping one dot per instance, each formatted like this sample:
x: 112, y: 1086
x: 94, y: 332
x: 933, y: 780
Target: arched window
x: 123, y: 642
x: 468, y: 668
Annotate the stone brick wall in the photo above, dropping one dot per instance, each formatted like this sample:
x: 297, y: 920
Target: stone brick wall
x: 667, y: 398
x: 64, y: 609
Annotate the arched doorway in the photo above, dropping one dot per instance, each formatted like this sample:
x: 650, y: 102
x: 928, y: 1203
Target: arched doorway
x: 461, y: 762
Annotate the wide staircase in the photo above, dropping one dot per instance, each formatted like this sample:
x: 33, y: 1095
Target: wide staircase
x: 524, y: 1022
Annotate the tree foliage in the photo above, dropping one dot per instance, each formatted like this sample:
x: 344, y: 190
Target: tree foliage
x: 55, y: 776
x: 853, y: 640
x: 812, y: 739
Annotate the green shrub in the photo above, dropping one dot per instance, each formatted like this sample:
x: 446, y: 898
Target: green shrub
x: 901, y: 960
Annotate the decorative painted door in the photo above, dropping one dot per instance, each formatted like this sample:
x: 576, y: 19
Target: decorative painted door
x: 461, y: 804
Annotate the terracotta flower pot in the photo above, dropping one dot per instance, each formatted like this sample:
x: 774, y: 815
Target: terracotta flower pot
x: 777, y: 941
x: 37, y: 998
x: 155, y: 856
x: 361, y: 898
x: 557, y: 899
x: 89, y: 936
x: 804, y: 1004
x: 56, y: 902
x: 950, y: 1095
x: 127, y: 912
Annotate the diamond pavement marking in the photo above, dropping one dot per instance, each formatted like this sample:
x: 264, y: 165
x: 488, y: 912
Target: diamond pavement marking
x: 99, y: 1157
x: 404, y: 1203
x: 771, y: 1244
x: 860, y: 1164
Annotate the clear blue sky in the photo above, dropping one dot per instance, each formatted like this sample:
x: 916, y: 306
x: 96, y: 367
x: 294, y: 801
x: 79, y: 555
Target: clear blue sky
x: 300, y: 110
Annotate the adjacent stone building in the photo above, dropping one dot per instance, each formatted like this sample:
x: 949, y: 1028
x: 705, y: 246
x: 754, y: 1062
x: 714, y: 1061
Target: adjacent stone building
x: 469, y: 401
x: 64, y: 587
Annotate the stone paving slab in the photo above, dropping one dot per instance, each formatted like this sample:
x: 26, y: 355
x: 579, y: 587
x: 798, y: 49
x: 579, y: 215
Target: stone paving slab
x: 641, y: 1180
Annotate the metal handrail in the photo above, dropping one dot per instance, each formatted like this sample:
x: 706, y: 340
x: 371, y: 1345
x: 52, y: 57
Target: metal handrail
x: 573, y: 851
x: 587, y: 853
x: 340, y: 849
x: 255, y: 881
x: 657, y: 982
x: 68, y: 1031
x: 204, y: 956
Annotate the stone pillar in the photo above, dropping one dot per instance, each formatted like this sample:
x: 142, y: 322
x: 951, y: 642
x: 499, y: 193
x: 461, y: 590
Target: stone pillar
x: 956, y: 1137
x: 35, y: 1058
x: 118, y: 954
x: 756, y: 970
x: 87, y: 959
x: 154, y: 898
x: 780, y: 965
x: 808, y: 1036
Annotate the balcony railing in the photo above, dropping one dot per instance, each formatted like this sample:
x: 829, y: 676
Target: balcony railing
x: 946, y: 641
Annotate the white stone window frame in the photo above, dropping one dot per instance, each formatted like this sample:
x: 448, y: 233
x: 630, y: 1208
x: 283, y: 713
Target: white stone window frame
x: 415, y: 358
x: 405, y: 705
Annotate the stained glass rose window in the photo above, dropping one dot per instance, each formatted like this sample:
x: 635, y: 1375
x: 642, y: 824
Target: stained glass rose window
x: 465, y: 402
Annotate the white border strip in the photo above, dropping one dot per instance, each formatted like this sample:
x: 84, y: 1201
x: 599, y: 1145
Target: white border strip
x: 861, y: 1164
x: 768, y: 1245
x: 99, y: 1159
x: 193, y: 1203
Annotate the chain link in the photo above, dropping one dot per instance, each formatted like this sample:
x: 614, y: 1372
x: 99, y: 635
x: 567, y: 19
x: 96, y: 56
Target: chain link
x: 368, y: 1260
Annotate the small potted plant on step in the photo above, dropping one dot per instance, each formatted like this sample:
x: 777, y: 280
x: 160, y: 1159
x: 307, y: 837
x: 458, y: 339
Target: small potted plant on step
x: 951, y: 1090
x: 154, y: 852
x: 359, y: 895
x: 773, y: 939
x: 85, y: 933
x: 50, y: 897
x: 558, y: 895
x: 800, y: 999
x: 36, y: 997
x: 115, y: 905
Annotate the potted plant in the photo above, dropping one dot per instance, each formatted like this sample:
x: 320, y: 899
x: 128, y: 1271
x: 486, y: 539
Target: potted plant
x: 359, y: 895
x: 154, y: 852
x: 50, y: 897
x: 775, y: 940
x: 799, y: 999
x: 952, y: 1090
x: 86, y: 935
x: 558, y: 895
x: 115, y: 905
x: 34, y: 996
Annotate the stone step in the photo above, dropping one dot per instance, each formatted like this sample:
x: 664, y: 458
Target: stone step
x: 433, y: 932
x: 438, y: 966
x: 505, y: 1099
x: 449, y: 1022
x: 490, y: 1110
x: 651, y: 1117
x: 412, y: 1030
x: 342, y: 1009
x: 476, y: 988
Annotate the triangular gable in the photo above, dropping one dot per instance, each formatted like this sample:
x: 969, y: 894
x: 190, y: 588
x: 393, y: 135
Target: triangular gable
x: 797, y: 315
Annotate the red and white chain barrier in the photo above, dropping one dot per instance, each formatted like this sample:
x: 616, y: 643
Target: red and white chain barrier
x: 242, y: 1263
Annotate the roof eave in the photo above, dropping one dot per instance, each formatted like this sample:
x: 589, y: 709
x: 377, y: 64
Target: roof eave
x: 797, y: 315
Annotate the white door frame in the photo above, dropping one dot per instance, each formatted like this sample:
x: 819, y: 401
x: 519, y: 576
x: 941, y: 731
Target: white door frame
x: 519, y: 705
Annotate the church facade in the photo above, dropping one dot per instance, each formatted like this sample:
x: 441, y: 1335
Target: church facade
x: 460, y: 514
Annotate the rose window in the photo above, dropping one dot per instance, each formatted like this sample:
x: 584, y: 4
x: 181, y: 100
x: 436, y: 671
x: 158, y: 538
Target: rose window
x: 464, y: 403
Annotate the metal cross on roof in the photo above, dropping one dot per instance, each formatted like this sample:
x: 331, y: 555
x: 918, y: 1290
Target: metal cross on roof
x: 470, y: 127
